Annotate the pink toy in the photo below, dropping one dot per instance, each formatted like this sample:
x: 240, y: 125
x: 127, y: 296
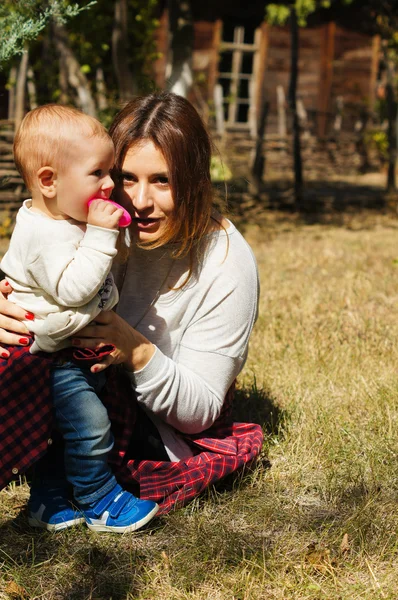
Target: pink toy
x: 125, y: 219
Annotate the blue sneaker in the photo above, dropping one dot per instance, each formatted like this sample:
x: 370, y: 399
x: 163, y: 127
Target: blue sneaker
x: 119, y: 512
x: 52, y: 510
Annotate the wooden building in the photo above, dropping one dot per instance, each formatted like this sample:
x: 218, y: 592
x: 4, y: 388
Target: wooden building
x: 236, y: 49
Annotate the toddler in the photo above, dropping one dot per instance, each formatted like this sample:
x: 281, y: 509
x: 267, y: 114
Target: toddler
x: 58, y: 264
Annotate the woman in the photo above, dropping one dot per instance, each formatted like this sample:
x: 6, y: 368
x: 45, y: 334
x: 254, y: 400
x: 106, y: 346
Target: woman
x: 188, y: 302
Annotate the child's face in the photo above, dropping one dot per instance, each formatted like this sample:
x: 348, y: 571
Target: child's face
x: 85, y: 175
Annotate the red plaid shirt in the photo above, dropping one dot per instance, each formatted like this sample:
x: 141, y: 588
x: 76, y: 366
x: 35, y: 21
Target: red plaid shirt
x: 26, y: 423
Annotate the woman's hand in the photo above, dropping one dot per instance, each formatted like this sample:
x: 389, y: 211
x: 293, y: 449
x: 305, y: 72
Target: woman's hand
x: 132, y: 349
x: 12, y: 330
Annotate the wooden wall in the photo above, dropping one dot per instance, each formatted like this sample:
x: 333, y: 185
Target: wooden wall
x: 333, y: 63
x: 353, y: 66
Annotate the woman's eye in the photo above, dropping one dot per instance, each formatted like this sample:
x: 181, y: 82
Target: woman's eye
x: 127, y: 178
x: 162, y: 180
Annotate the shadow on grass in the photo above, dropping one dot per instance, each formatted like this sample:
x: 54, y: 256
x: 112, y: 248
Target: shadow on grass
x: 253, y: 405
x: 323, y: 202
x: 80, y: 564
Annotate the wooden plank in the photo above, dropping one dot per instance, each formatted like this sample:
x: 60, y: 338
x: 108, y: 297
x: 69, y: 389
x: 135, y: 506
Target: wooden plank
x: 236, y: 66
x: 241, y: 76
x: 281, y: 103
x: 326, y: 74
x: 238, y: 46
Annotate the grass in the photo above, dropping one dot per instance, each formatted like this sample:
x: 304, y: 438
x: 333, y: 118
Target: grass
x: 316, y: 518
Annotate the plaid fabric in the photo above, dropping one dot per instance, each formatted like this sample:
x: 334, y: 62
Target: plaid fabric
x: 25, y: 411
x: 26, y: 423
x: 218, y: 451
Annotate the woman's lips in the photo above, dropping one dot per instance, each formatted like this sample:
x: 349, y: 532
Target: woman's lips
x: 145, y: 223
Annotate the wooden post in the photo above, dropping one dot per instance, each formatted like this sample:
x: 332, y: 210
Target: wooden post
x: 281, y: 108
x: 219, y: 109
x: 338, y: 121
x: 298, y: 167
x: 261, y: 68
x: 237, y: 56
x: 261, y: 105
x: 256, y: 90
x: 376, y: 49
x: 303, y: 117
x: 214, y: 58
x: 326, y: 75
x: 390, y: 103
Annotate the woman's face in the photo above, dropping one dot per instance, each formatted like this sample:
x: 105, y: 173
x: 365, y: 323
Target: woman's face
x: 144, y: 190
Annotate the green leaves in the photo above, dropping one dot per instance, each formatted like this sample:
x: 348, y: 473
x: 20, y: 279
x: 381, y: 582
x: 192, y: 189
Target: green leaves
x: 22, y: 21
x: 278, y: 14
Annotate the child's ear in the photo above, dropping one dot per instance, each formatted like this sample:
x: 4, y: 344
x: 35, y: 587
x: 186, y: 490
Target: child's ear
x: 47, y: 181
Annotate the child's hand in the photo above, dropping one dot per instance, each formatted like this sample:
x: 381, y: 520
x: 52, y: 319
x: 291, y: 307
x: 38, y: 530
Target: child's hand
x: 104, y: 214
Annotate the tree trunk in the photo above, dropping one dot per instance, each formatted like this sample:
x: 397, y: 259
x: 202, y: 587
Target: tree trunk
x: 12, y: 79
x: 298, y: 167
x: 31, y: 85
x: 76, y: 78
x: 20, y: 93
x: 120, y: 52
x: 181, y: 46
x: 101, y: 89
x: 391, y: 115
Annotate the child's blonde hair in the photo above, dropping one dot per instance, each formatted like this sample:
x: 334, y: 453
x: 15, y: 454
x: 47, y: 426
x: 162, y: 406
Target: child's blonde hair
x: 45, y: 134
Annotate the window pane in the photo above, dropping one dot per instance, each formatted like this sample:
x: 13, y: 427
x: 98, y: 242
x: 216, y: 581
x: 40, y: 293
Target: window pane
x: 243, y: 113
x: 226, y: 107
x: 249, y: 35
x: 228, y: 31
x: 247, y: 62
x: 226, y: 85
x: 225, y: 64
x: 243, y: 88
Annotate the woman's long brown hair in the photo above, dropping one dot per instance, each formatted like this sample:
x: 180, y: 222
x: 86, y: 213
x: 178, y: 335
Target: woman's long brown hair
x: 176, y: 129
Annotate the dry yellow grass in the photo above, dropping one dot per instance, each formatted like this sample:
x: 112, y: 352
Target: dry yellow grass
x: 321, y: 522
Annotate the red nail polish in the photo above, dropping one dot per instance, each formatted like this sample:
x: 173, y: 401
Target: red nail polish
x: 23, y: 340
x: 4, y: 354
x: 6, y: 283
x: 95, y: 369
x: 29, y: 316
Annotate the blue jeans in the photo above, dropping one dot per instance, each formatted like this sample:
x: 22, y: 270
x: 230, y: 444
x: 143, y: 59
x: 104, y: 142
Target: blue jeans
x: 83, y: 422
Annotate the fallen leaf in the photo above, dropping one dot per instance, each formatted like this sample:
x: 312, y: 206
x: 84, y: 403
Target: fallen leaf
x: 16, y: 591
x: 345, y: 544
x: 319, y: 559
x: 165, y: 559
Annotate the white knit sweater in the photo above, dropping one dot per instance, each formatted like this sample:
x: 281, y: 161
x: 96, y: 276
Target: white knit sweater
x: 58, y: 270
x: 201, y: 331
